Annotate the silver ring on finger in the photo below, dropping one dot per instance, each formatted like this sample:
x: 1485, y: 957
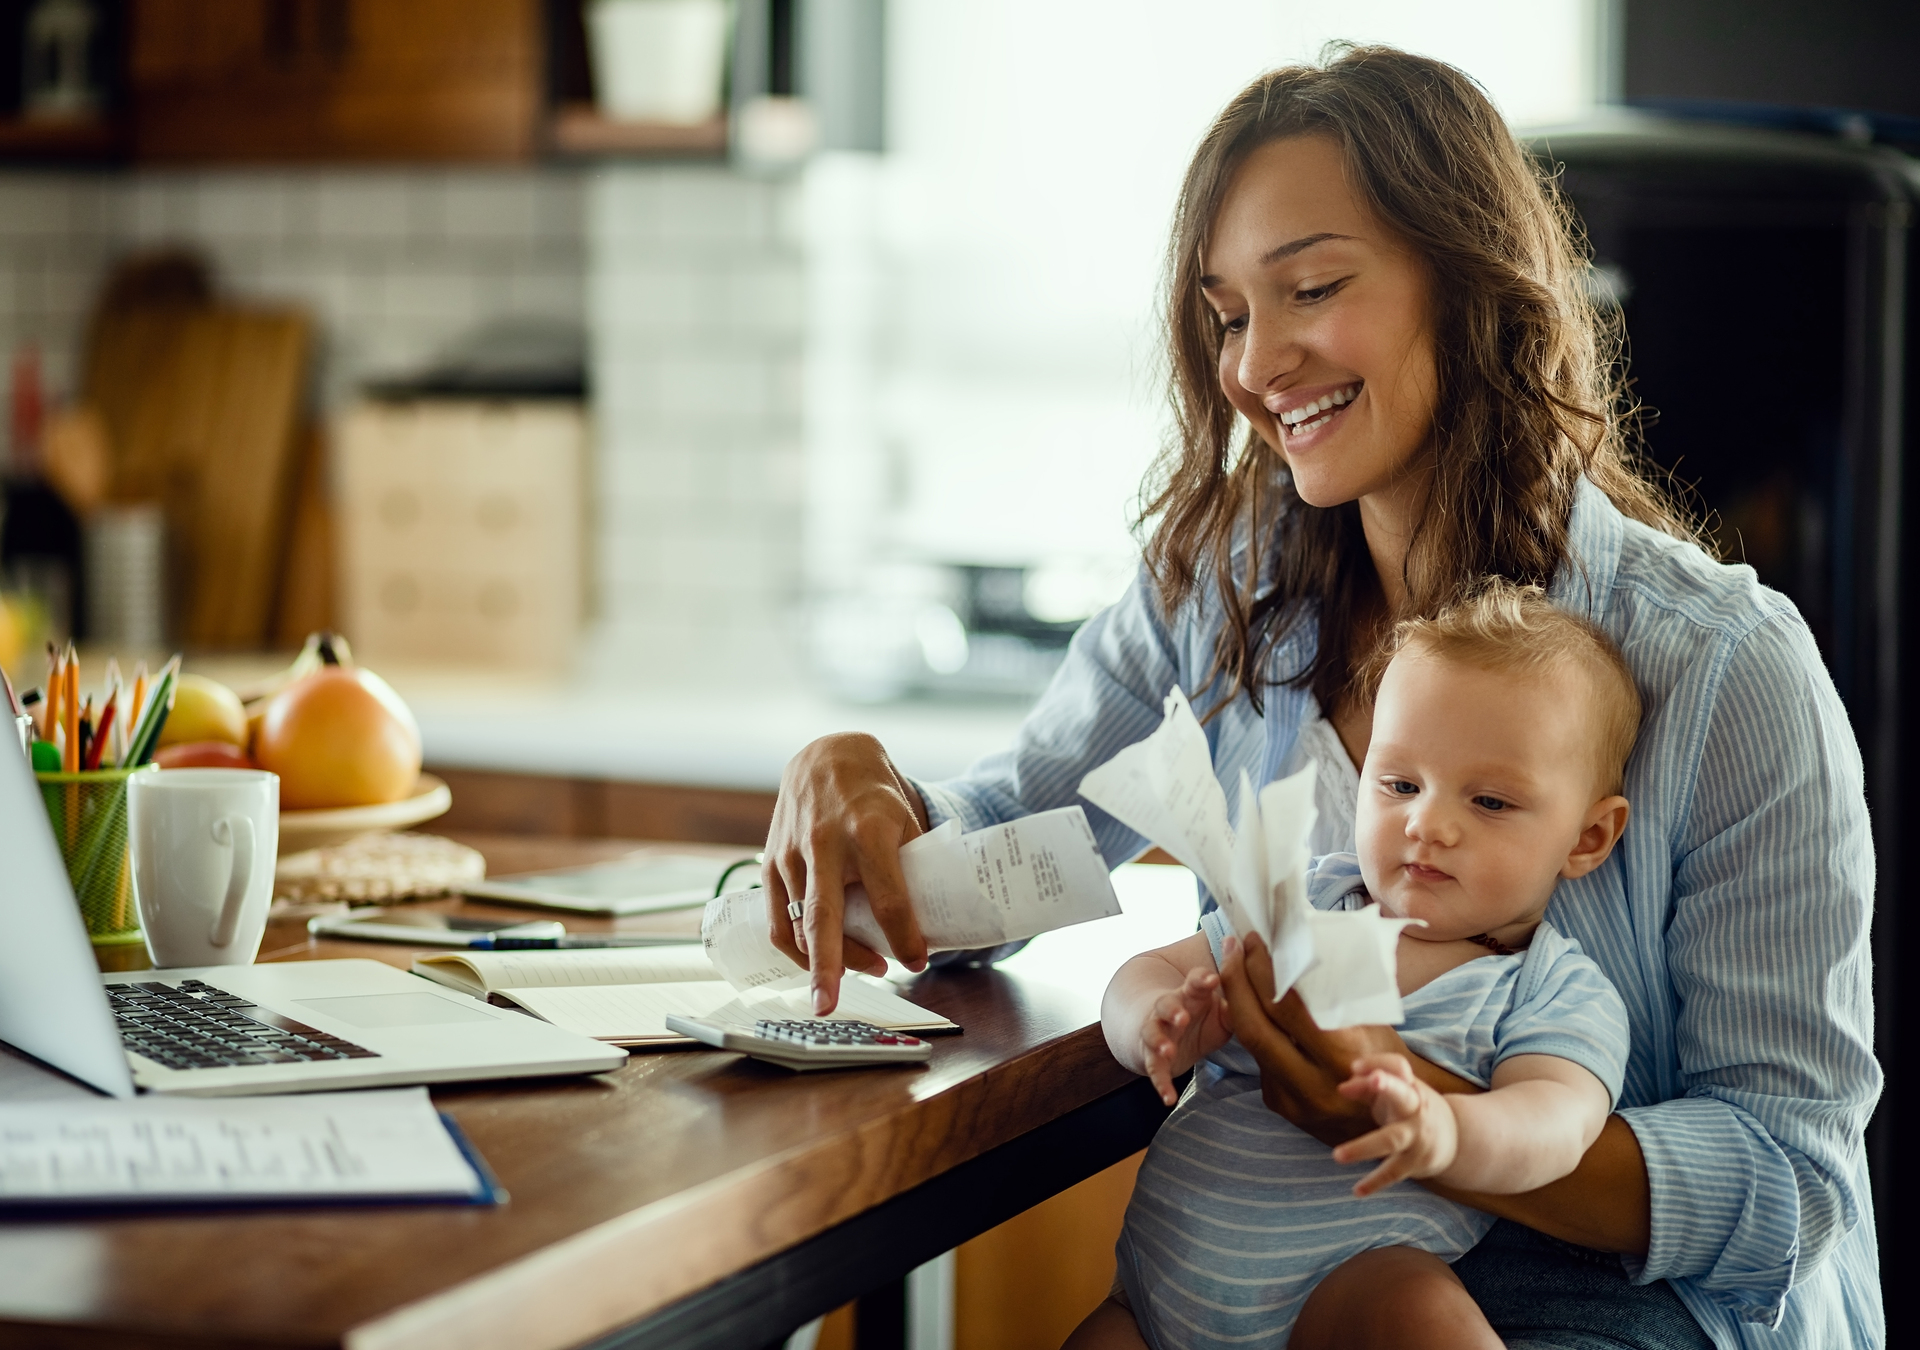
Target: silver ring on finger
x: 794, y: 910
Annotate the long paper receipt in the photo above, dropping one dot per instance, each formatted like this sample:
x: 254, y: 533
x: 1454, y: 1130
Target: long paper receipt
x: 1001, y: 884
x: 1164, y: 787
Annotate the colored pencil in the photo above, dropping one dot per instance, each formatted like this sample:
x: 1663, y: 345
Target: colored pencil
x: 70, y: 713
x: 146, y: 737
x: 102, y: 734
x: 56, y: 686
x: 139, y: 704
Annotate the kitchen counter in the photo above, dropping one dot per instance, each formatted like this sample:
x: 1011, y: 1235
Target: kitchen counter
x: 691, y: 736
x: 719, y: 737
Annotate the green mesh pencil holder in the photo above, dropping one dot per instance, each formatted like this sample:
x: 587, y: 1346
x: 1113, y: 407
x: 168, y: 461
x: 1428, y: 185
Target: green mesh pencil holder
x: 89, y: 815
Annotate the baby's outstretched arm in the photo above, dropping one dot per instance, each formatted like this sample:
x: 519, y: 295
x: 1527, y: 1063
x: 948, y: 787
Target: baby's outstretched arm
x: 1532, y: 1128
x: 1163, y: 1011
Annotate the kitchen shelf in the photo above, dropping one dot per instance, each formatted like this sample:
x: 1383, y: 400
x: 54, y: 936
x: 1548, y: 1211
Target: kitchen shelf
x: 59, y: 141
x: 580, y: 129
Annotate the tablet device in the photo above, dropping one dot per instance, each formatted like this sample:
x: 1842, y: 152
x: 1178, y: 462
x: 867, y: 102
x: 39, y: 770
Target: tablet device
x: 427, y: 928
x: 645, y: 883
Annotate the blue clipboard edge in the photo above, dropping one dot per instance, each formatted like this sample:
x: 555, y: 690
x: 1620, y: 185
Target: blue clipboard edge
x: 490, y: 1192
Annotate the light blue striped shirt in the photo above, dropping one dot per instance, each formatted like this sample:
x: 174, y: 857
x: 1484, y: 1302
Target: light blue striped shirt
x: 1732, y: 918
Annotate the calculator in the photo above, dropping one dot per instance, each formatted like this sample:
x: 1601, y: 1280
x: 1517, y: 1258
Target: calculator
x: 809, y: 1042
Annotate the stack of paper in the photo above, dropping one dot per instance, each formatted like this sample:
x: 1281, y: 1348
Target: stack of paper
x: 313, y: 1148
x: 1011, y: 881
x: 1164, y: 787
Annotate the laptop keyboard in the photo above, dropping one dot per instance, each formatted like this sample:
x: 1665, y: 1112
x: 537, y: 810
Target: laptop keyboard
x: 196, y: 1026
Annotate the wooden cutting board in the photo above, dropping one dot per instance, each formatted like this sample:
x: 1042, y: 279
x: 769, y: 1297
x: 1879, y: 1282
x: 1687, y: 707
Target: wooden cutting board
x: 202, y: 405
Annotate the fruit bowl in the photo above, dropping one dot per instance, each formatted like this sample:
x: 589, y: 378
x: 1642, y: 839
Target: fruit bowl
x: 302, y: 830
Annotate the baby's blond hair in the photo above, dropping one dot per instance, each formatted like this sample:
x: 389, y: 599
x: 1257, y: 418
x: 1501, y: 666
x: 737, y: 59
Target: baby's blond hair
x: 1513, y: 629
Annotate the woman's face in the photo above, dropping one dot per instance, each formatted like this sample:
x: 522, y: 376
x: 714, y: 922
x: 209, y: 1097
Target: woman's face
x: 1327, y: 349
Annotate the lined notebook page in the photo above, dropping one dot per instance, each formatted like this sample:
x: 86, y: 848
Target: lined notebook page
x: 624, y: 1012
x: 496, y: 971
x: 862, y: 999
x: 637, y: 1013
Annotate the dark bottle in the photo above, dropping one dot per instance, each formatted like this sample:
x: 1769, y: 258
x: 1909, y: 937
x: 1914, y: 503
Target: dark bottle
x: 40, y: 542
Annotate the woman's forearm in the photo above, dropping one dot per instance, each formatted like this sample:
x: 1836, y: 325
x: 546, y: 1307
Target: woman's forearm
x: 1606, y: 1202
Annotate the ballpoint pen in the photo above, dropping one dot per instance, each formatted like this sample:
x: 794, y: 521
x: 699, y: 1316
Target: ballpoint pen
x: 576, y: 941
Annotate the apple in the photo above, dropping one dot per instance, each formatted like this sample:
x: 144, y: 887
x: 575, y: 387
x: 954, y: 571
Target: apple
x: 204, y: 710
x: 203, y: 755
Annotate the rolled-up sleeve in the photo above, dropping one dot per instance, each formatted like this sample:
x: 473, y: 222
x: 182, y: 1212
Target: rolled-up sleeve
x: 1106, y: 695
x: 1754, y: 1171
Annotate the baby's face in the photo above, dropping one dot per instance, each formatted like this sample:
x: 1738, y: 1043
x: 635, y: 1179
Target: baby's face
x: 1478, y: 786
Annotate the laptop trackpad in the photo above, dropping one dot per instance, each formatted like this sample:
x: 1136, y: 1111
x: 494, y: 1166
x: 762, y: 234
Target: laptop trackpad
x: 396, y: 1010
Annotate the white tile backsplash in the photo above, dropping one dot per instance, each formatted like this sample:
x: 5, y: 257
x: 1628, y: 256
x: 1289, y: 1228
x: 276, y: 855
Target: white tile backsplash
x: 696, y: 325
x: 688, y: 278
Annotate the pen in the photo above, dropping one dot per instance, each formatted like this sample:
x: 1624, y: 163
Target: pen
x: 575, y: 941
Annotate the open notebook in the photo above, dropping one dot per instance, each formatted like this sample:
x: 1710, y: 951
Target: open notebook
x: 624, y: 995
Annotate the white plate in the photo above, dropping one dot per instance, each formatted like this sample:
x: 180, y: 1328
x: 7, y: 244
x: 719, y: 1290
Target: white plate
x: 301, y: 830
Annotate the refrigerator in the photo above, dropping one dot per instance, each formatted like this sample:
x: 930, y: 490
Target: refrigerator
x: 1765, y: 281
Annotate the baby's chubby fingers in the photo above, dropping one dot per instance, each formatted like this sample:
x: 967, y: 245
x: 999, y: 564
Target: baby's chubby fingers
x: 1396, y: 1168
x: 1392, y: 1142
x: 1159, y: 1037
x: 1394, y: 1137
x: 1391, y: 1097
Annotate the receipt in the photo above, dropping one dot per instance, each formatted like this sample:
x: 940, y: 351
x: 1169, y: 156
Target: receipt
x: 734, y: 931
x: 1012, y: 881
x: 1164, y: 787
x: 1354, y: 981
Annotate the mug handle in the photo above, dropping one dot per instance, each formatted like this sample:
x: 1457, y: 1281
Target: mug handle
x: 235, y: 832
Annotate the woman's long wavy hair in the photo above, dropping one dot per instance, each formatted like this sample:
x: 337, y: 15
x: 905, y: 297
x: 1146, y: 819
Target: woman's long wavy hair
x: 1529, y: 395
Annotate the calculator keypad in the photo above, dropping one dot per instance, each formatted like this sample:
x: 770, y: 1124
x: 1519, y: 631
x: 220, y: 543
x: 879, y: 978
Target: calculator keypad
x: 827, y: 1033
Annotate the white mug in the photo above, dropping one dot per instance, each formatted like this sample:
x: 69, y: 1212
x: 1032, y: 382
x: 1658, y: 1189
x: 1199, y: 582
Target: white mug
x: 204, y: 843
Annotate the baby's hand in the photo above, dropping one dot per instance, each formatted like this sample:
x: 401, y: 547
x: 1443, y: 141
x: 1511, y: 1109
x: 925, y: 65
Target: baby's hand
x: 1418, y: 1135
x: 1183, y: 1025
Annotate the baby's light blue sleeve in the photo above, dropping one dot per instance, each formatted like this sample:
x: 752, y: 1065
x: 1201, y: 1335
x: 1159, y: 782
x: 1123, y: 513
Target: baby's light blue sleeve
x: 1563, y: 1005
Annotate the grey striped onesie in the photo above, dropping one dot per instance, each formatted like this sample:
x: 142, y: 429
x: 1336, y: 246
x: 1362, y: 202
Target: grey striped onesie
x: 1238, y: 1214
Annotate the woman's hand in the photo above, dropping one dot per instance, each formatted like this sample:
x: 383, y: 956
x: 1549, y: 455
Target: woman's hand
x: 843, y: 813
x: 1301, y: 1066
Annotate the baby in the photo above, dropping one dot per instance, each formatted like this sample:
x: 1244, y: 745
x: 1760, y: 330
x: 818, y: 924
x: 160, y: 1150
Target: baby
x: 1500, y: 736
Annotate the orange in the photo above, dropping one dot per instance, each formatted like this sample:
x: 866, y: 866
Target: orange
x: 339, y: 737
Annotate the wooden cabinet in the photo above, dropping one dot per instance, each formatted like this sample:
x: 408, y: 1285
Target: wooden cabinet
x: 227, y: 81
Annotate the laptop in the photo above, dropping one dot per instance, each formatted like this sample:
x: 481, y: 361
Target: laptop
x: 228, y: 1031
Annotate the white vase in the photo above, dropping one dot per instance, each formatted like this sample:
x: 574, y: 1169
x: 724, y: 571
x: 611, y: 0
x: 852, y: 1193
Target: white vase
x: 658, y: 60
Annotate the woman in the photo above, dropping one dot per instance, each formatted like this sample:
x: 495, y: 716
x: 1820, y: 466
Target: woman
x: 1369, y: 274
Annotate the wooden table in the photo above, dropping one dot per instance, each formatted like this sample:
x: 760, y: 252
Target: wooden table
x: 688, y: 1198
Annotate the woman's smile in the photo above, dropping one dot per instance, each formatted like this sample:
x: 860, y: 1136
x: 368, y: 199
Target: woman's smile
x: 1304, y: 415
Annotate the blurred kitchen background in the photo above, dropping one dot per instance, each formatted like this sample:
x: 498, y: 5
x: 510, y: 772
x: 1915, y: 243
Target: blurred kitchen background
x: 718, y: 373
x: 646, y: 387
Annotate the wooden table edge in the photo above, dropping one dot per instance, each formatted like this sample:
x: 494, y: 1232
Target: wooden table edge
x: 629, y: 1267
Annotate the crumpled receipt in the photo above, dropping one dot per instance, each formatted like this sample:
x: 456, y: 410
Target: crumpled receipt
x: 1001, y: 884
x: 1342, y: 963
